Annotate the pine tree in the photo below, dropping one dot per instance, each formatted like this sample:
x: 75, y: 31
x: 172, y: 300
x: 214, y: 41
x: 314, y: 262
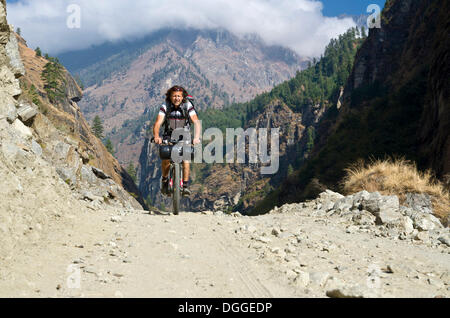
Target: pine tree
x: 290, y: 170
x: 363, y: 32
x: 109, y: 146
x: 311, y: 136
x: 97, y: 127
x: 38, y: 51
x: 19, y: 31
x: 131, y: 170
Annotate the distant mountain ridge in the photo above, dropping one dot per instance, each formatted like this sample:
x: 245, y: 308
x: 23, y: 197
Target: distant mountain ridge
x: 295, y: 107
x: 217, y: 67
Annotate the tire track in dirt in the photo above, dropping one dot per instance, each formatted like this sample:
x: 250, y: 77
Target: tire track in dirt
x: 251, y: 282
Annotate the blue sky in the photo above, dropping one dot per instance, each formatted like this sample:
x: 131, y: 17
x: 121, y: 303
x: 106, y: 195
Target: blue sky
x: 336, y: 7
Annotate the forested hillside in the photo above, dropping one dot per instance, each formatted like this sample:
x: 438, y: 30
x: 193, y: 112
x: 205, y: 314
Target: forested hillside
x: 395, y: 104
x: 318, y: 84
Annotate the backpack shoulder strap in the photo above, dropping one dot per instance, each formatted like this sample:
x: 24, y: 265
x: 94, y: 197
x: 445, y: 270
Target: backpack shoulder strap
x: 166, y: 118
x: 184, y: 107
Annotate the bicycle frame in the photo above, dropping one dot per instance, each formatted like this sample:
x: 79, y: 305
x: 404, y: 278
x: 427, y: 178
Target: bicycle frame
x: 175, y: 179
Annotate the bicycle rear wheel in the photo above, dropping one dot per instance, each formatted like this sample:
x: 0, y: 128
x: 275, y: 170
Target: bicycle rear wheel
x: 176, y: 188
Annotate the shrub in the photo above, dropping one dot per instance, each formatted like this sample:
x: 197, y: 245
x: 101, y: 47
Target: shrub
x: 397, y: 177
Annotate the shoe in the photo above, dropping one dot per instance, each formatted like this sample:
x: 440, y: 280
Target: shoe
x: 165, y: 186
x: 186, y: 191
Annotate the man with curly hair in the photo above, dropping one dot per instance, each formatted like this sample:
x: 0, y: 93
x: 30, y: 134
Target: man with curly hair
x: 175, y: 113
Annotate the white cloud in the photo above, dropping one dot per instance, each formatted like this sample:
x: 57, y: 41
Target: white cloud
x: 298, y: 24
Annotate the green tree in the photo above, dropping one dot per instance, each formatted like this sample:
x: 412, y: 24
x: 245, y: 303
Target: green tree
x: 131, y: 170
x: 109, y: 146
x: 54, y: 79
x: 290, y: 170
x: 19, y: 31
x: 363, y: 32
x: 311, y: 136
x: 38, y: 51
x: 97, y: 127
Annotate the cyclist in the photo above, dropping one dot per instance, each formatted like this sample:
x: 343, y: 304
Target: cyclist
x: 174, y: 114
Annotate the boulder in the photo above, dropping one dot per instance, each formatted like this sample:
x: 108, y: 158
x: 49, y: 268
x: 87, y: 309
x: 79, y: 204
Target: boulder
x: 422, y: 236
x: 87, y: 174
x: 364, y: 218
x: 8, y: 83
x: 12, y: 50
x: 344, y: 204
x: 445, y: 239
x: 8, y: 111
x: 67, y: 174
x: 22, y: 130
x: 329, y: 195
x: 12, y: 152
x: 358, y: 198
x: 100, y: 174
x: 406, y: 224
x: 384, y: 208
x: 427, y: 222
x: 26, y: 112
x: 420, y: 202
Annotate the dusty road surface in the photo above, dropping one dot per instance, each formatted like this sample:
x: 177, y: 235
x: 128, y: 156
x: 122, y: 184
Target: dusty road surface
x: 298, y: 253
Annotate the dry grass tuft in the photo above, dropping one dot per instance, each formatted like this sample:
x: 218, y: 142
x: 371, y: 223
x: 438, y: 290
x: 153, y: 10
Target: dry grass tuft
x: 397, y: 177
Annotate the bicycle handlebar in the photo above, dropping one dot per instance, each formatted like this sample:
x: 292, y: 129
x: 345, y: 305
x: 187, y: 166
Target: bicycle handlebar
x: 168, y: 142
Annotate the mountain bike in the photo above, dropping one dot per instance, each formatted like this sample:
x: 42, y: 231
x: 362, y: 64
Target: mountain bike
x: 175, y: 172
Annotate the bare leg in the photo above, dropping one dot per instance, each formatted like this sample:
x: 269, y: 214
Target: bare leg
x: 186, y: 167
x: 165, y: 168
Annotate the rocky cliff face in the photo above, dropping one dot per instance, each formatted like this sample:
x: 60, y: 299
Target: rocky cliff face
x: 79, y: 150
x: 394, y: 104
x: 223, y: 186
x: 50, y: 163
x: 411, y: 48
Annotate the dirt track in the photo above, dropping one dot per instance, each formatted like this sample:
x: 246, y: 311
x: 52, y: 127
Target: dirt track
x: 137, y: 254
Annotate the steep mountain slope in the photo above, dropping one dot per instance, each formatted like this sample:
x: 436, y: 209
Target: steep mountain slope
x: 47, y: 84
x: 51, y: 165
x: 216, y: 67
x: 395, y: 102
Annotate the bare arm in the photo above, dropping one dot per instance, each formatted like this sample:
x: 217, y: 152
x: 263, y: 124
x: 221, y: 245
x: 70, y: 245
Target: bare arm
x: 156, y: 128
x: 197, y: 129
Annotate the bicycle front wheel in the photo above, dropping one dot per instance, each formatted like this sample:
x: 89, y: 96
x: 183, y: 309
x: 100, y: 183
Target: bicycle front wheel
x: 176, y: 189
